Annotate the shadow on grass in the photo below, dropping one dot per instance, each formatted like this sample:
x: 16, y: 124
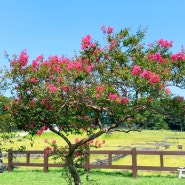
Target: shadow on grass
x: 129, y: 174
x: 105, y: 173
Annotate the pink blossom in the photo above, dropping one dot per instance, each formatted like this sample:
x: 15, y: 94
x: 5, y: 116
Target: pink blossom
x: 40, y: 58
x: 89, y: 68
x: 32, y: 101
x: 23, y: 59
x: 113, y: 96
x: 98, y: 95
x: 168, y: 91
x: 125, y: 100
x: 52, y: 88
x: 179, y: 56
x: 76, y: 140
x: 13, y: 63
x: 34, y: 63
x: 44, y: 101
x: 180, y: 98
x: 145, y: 74
x: 34, y: 80
x: 47, y: 150
x: 64, y: 88
x: 103, y: 28
x: 164, y: 43
x: 110, y: 30
x: 92, y: 126
x: 136, y: 70
x: 86, y: 42
x: 52, y: 77
x: 78, y: 154
x: 69, y: 66
x: 96, y: 142
x: 99, y: 89
x: 50, y: 107
x: 44, y: 127
x: 152, y: 77
x: 113, y: 44
x: 54, y: 142
x: 40, y: 132
x: 78, y: 65
x: 99, y: 145
x: 91, y: 141
x: 156, y: 57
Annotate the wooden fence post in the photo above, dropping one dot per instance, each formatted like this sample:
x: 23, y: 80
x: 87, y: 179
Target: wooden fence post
x: 28, y: 158
x: 161, y: 160
x: 10, y: 160
x: 45, y: 160
x: 134, y: 163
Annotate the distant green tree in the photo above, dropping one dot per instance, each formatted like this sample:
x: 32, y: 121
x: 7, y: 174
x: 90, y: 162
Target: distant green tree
x: 175, y: 113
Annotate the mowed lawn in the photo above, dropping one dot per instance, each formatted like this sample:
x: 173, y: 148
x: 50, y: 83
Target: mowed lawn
x: 54, y: 177
x: 157, y: 140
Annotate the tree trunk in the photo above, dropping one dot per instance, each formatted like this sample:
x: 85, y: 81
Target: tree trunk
x: 72, y: 169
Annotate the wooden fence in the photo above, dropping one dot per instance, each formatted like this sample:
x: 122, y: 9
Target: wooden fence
x: 44, y: 153
x: 134, y: 167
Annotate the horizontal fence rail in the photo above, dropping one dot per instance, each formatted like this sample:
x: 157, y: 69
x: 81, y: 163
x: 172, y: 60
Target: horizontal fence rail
x: 134, y: 167
x: 44, y: 153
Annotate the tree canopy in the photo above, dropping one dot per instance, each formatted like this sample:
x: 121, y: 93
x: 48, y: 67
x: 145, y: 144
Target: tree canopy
x: 122, y: 80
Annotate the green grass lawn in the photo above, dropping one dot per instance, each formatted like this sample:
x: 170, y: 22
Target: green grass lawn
x: 96, y: 177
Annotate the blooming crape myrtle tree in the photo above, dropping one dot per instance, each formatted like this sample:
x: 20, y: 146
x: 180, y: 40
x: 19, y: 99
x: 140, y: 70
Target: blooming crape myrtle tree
x: 121, y: 80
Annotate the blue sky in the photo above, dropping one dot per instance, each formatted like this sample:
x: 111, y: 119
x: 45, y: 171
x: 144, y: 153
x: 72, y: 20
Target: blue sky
x: 57, y: 26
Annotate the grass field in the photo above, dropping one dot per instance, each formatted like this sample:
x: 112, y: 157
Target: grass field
x: 54, y: 177
x: 158, y: 140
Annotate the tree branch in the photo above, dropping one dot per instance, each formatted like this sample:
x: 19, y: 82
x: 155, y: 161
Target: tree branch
x: 62, y: 136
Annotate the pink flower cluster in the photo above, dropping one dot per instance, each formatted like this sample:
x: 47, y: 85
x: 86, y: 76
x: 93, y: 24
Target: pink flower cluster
x: 41, y: 130
x: 164, y: 43
x: 180, y: 98
x: 118, y: 99
x: 33, y: 80
x: 99, y: 90
x: 178, y: 57
x: 52, y: 88
x: 35, y: 63
x: 22, y: 60
x: 113, y: 96
x: 109, y: 30
x: 168, y: 91
x: 95, y: 143
x: 156, y: 57
x: 86, y: 42
x: 123, y: 100
x: 151, y: 76
x: 136, y: 70
x: 113, y: 44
